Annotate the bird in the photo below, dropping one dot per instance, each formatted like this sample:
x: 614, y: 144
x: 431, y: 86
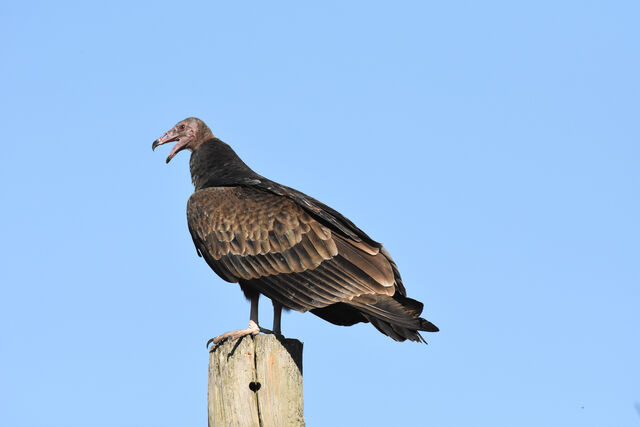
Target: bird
x: 278, y: 242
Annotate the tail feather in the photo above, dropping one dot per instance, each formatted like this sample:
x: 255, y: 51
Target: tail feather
x: 427, y: 326
x: 412, y: 306
x: 386, y: 328
x: 399, y: 319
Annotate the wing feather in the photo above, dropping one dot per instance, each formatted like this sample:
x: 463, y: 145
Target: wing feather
x: 282, y: 250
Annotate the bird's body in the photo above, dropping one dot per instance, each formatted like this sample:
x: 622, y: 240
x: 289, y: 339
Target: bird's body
x: 278, y: 242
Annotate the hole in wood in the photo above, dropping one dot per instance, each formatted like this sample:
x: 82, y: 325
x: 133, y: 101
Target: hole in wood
x: 254, y: 386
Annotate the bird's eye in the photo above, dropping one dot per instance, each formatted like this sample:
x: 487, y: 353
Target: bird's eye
x: 181, y: 127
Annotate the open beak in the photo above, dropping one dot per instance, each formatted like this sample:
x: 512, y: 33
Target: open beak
x: 168, y: 137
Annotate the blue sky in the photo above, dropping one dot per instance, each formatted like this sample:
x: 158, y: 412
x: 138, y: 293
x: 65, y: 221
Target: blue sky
x: 492, y: 147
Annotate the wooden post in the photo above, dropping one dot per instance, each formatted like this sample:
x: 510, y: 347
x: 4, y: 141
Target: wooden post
x: 256, y: 381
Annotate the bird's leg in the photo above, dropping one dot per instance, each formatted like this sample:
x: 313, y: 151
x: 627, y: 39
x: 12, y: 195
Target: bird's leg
x: 277, y: 316
x: 253, y: 328
x: 253, y: 315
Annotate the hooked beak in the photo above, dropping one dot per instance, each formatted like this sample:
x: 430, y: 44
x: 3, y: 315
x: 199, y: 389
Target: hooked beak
x: 167, y: 137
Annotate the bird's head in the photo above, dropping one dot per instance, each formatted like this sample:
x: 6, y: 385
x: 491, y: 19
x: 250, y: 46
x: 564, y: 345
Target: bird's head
x: 189, y: 134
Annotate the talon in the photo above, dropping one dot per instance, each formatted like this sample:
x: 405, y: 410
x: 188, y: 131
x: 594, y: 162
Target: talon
x: 253, y: 329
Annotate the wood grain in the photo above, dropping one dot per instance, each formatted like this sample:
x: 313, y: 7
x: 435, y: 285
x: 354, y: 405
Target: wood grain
x: 256, y: 381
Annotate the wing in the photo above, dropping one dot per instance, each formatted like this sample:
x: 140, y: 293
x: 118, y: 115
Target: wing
x: 271, y: 242
x: 334, y: 220
x: 319, y: 210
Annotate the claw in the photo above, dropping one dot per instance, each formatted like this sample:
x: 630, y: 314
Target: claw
x: 253, y: 329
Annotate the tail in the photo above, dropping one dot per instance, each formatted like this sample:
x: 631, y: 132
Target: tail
x: 397, y: 317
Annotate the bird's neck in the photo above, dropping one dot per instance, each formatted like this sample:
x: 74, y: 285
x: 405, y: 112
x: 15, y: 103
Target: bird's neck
x: 215, y: 164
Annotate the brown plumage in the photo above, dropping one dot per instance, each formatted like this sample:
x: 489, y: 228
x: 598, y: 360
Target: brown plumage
x: 276, y: 241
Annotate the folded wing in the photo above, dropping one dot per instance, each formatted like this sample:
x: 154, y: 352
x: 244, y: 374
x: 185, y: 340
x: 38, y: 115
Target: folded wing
x: 285, y: 249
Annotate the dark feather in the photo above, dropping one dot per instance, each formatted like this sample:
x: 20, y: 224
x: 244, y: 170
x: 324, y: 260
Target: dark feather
x: 292, y: 248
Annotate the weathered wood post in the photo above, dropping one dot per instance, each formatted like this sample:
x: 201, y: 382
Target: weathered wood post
x: 256, y: 381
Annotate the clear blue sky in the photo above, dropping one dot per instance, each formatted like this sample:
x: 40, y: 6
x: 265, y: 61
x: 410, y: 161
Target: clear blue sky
x: 492, y: 147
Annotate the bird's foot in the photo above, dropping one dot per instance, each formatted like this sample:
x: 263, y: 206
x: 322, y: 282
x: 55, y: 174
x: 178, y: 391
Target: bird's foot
x: 253, y: 329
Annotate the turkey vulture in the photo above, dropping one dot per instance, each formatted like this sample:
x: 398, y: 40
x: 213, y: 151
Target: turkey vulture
x: 278, y: 242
